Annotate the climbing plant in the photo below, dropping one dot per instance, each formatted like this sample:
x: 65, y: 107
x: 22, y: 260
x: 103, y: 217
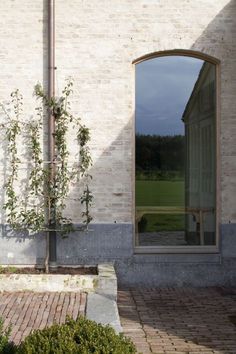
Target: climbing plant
x: 44, y: 202
x: 13, y: 129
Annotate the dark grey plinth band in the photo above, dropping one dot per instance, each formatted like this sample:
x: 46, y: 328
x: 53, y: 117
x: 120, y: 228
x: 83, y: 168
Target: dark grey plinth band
x: 114, y: 243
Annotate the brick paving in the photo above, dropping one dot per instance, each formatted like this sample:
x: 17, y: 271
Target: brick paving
x: 180, y: 320
x: 26, y: 311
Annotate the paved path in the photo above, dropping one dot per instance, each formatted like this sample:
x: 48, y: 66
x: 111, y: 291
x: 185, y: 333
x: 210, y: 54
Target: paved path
x: 181, y: 320
x: 27, y: 310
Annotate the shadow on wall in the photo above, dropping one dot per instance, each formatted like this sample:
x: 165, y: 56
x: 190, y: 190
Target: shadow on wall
x: 92, y: 246
x: 219, y: 35
x: 218, y: 40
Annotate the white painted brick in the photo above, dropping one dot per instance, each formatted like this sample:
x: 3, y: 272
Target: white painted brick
x: 96, y: 42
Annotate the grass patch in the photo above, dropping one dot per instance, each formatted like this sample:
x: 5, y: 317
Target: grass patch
x: 161, y: 193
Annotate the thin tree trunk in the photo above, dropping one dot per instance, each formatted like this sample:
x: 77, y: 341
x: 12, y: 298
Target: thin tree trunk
x: 47, y: 253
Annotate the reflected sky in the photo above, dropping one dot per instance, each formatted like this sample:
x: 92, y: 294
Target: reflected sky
x: 163, y: 87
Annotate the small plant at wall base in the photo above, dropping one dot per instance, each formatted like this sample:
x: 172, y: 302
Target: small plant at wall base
x: 44, y: 201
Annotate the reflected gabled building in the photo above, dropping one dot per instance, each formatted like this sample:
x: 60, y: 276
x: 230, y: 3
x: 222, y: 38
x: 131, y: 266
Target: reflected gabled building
x: 199, y: 118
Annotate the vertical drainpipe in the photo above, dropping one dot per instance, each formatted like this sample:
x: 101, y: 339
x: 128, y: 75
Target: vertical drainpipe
x: 51, y: 127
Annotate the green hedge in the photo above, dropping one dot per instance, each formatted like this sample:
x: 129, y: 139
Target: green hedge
x: 74, y: 337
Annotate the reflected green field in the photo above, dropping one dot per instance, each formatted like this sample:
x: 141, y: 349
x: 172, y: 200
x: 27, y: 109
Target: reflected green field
x: 160, y: 193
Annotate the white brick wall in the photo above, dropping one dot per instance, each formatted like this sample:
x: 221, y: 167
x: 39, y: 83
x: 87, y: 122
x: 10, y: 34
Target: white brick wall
x: 96, y: 42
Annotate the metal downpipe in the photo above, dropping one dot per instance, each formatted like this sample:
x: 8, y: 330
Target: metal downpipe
x: 51, y: 129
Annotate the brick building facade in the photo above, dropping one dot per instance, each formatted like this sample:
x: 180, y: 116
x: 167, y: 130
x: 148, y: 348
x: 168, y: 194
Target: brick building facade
x: 96, y: 44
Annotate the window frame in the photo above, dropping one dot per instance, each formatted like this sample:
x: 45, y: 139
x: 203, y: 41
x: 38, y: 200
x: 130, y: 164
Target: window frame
x: 181, y: 249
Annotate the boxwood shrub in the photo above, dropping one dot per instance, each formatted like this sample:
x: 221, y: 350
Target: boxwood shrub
x: 76, y: 337
x: 6, y: 347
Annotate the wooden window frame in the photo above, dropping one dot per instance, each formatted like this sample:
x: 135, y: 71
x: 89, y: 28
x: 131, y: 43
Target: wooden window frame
x: 203, y: 249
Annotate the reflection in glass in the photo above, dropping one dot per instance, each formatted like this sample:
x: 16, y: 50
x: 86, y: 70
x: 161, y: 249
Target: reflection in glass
x: 175, y: 152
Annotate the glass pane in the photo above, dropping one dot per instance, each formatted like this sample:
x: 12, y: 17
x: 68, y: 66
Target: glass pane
x: 175, y: 152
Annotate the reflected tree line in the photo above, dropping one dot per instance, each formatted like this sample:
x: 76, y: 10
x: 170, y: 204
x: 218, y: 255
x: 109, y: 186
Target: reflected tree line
x: 160, y: 157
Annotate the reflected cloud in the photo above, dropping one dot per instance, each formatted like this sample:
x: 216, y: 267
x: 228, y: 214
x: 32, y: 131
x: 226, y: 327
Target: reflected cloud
x: 163, y: 87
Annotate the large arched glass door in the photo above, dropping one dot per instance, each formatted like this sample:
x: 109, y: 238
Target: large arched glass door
x: 175, y: 142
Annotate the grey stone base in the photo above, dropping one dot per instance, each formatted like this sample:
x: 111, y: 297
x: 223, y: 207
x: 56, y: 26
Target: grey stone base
x: 103, y: 309
x: 114, y: 243
x: 176, y: 274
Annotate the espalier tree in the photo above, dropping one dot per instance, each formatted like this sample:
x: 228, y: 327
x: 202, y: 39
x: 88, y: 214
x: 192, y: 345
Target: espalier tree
x: 44, y: 199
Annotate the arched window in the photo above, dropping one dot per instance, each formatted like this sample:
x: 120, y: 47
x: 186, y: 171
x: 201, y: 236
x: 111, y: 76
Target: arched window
x: 175, y: 152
